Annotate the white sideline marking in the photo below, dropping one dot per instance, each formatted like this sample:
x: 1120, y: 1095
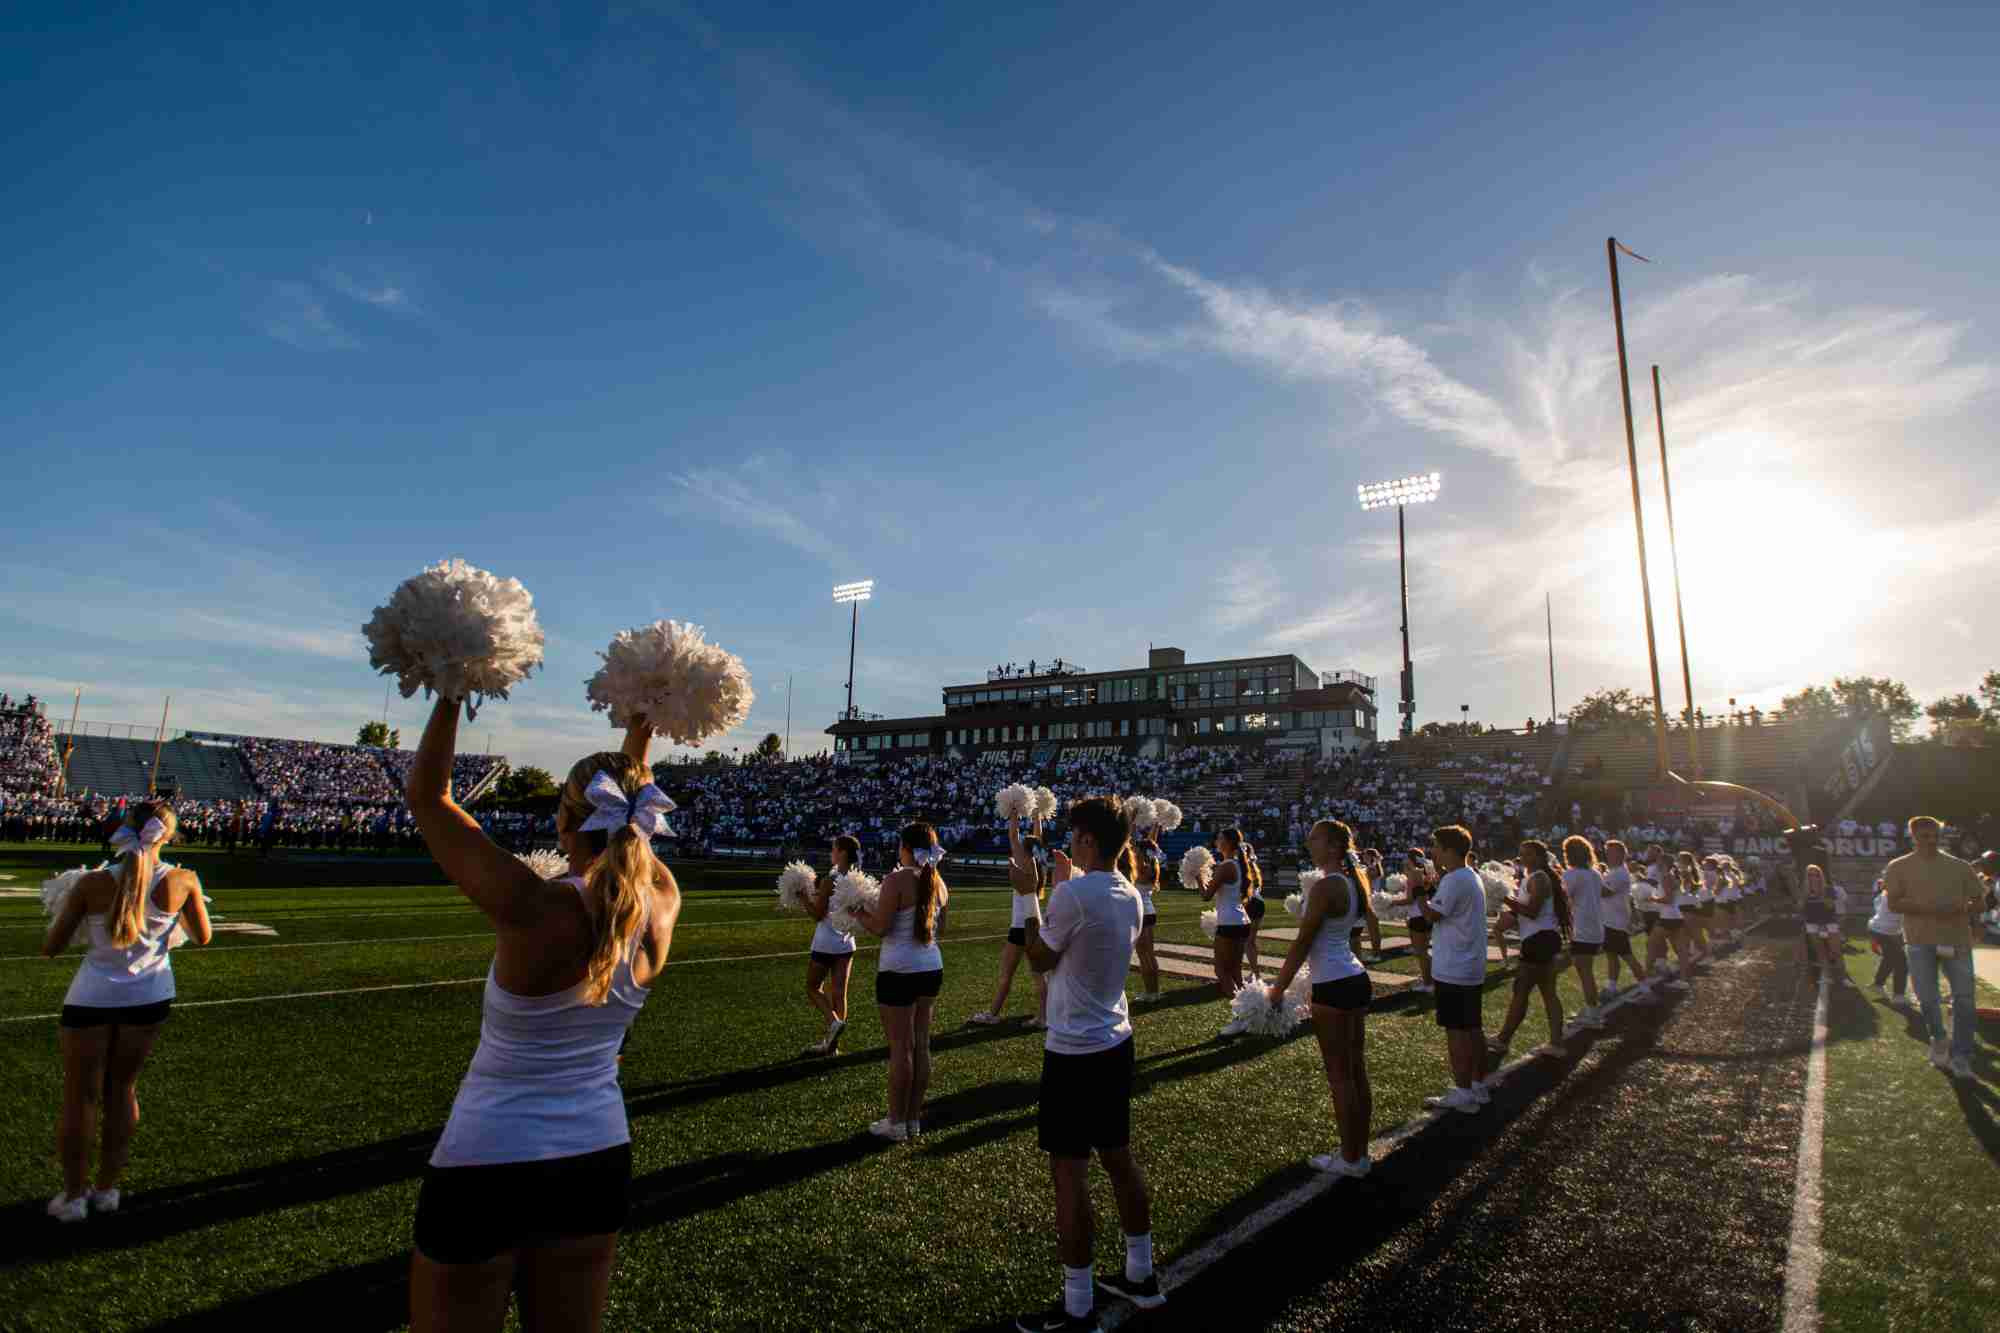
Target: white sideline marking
x: 298, y: 944
x: 1193, y: 1264
x: 469, y: 981
x: 1803, y: 1255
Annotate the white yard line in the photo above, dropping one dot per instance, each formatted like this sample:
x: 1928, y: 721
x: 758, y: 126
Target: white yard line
x: 1803, y: 1256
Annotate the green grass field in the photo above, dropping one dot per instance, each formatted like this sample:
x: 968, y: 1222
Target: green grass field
x: 286, y: 1137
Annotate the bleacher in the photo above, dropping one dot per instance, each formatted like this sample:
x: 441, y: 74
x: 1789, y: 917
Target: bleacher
x: 121, y: 767
x: 1769, y: 758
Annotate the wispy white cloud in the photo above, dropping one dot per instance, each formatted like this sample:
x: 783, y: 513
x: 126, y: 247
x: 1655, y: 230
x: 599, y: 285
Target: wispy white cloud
x: 312, y: 641
x: 373, y: 290
x: 294, y: 314
x: 761, y: 497
x: 1245, y: 592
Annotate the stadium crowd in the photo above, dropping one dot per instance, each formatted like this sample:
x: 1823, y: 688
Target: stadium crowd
x: 28, y: 760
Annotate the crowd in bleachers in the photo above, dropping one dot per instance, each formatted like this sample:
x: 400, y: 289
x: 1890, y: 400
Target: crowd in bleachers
x: 28, y: 760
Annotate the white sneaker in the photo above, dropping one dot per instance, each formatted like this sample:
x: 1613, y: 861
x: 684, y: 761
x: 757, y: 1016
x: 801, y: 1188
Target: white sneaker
x: 104, y: 1201
x: 913, y: 1128
x: 1336, y: 1165
x: 986, y: 1018
x: 1463, y: 1100
x: 65, y: 1209
x: 1961, y: 1067
x: 1608, y: 993
x: 1553, y: 1049
x: 1941, y: 1053
x: 1235, y: 1027
x: 1483, y: 1091
x: 892, y: 1130
x: 1679, y: 984
x: 1875, y: 986
x: 1424, y: 988
x: 833, y: 1031
x: 1592, y: 1017
x: 1145, y: 997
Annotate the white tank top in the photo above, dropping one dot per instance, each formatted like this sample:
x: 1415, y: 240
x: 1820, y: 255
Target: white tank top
x: 828, y: 940
x: 1229, y: 898
x: 1027, y: 907
x: 1146, y: 907
x: 544, y: 1081
x: 113, y: 977
x: 1332, y: 954
x: 1543, y: 919
x: 900, y: 950
x: 1661, y: 896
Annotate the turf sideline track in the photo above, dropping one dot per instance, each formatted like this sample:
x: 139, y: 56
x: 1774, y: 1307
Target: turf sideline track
x: 1804, y: 1254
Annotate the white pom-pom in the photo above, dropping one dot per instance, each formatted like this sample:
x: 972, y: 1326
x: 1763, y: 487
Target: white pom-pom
x: 1298, y: 995
x: 1261, y: 1018
x: 1498, y: 881
x: 545, y: 863
x: 1295, y: 903
x: 1141, y: 811
x: 1014, y: 801
x: 457, y: 631
x: 1208, y: 923
x: 1387, y: 907
x: 686, y: 688
x: 1045, y: 804
x: 854, y: 896
x: 1166, y: 816
x: 795, y: 884
x: 1196, y: 864
x: 56, y: 889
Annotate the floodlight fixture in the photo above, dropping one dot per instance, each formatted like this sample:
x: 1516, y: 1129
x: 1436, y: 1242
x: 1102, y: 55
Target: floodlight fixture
x: 852, y: 595
x: 858, y: 591
x: 1420, y: 489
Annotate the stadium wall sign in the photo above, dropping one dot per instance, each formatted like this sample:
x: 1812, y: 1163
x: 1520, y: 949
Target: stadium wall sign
x: 1860, y: 848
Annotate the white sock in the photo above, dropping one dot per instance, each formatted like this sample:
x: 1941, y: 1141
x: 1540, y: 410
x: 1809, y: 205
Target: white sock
x: 1139, y: 1257
x: 1077, y: 1298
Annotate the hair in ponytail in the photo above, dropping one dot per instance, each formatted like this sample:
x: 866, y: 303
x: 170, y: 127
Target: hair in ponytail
x: 1536, y: 854
x: 1342, y: 838
x: 620, y: 878
x: 850, y: 845
x: 1128, y: 864
x: 126, y: 917
x: 919, y: 836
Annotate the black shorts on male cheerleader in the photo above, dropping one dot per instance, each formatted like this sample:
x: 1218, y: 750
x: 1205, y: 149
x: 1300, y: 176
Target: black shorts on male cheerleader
x: 1254, y: 909
x: 1541, y: 946
x: 1086, y: 1101
x: 825, y: 959
x: 1458, y: 1007
x: 469, y: 1214
x: 124, y: 1015
x: 1419, y: 924
x: 1345, y: 992
x: 900, y: 990
x: 1617, y: 941
x: 1017, y: 935
x: 1585, y: 948
x: 1232, y: 932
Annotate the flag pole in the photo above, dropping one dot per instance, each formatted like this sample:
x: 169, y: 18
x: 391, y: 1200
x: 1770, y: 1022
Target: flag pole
x: 1611, y: 248
x: 62, y: 782
x: 1673, y: 546
x: 159, y: 741
x: 1549, y: 610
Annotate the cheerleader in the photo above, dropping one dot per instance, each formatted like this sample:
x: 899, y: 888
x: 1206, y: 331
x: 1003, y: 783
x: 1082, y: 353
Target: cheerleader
x: 1371, y: 861
x: 1822, y: 927
x: 1418, y: 883
x: 1618, y: 926
x: 1542, y: 910
x: 1253, y: 907
x: 1668, y: 896
x: 527, y: 1188
x: 1227, y: 885
x: 1647, y: 894
x: 119, y: 999
x: 832, y: 960
x: 909, y: 973
x: 1148, y: 864
x: 1029, y: 851
x: 1584, y: 887
x: 1341, y: 989
x: 1696, y: 899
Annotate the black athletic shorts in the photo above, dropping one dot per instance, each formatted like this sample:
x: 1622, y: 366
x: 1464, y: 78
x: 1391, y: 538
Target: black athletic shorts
x: 1458, y: 1006
x: 829, y: 959
x: 1148, y: 919
x: 1232, y: 932
x: 1419, y: 924
x: 469, y: 1214
x: 1017, y: 934
x: 1617, y: 941
x: 1086, y: 1101
x: 126, y: 1015
x: 1585, y: 948
x: 1345, y: 992
x: 1652, y: 921
x: 900, y: 990
x: 1541, y: 946
x: 1254, y: 909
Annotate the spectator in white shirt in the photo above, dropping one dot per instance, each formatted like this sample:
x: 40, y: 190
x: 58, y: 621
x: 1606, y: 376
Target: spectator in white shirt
x: 1457, y: 912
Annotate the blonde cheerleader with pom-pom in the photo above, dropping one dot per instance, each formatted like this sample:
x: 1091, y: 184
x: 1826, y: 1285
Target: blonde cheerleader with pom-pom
x: 1340, y: 988
x: 1253, y: 909
x: 1032, y: 853
x: 1541, y: 907
x: 1371, y: 861
x: 1148, y: 866
x: 909, y: 974
x: 832, y: 960
x: 1227, y: 886
x: 134, y: 910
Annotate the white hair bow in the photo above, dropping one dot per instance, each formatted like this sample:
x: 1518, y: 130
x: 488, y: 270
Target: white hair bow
x: 927, y: 856
x: 646, y: 809
x: 152, y: 835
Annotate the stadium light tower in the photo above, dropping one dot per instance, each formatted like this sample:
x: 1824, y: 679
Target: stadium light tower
x: 1420, y: 489
x: 854, y: 594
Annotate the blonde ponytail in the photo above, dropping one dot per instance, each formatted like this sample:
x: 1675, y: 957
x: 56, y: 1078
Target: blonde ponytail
x: 919, y: 836
x: 619, y: 881
x: 137, y: 869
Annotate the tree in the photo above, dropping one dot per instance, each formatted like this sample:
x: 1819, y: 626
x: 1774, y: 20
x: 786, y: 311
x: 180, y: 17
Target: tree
x: 1608, y: 708
x: 524, y: 783
x: 378, y: 734
x: 771, y: 747
x: 1864, y: 696
x: 1953, y: 706
x: 1989, y: 694
x: 1814, y: 703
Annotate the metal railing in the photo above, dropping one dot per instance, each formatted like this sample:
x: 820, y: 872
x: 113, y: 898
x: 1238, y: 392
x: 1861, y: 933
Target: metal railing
x: 129, y: 731
x: 1365, y: 681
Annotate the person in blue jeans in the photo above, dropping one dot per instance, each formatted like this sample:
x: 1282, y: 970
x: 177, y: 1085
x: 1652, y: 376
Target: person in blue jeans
x: 1938, y: 896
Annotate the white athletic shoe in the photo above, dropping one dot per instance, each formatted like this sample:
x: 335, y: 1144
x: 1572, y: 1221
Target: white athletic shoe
x: 104, y: 1201
x: 913, y: 1128
x: 1424, y: 988
x: 834, y: 1029
x: 892, y: 1130
x: 1146, y: 997
x: 1607, y: 992
x: 1678, y: 983
x: 1941, y: 1053
x: 1463, y: 1100
x: 1876, y: 986
x: 1592, y: 1018
x: 1235, y: 1027
x: 1336, y: 1165
x: 1961, y: 1067
x: 986, y: 1018
x: 65, y: 1209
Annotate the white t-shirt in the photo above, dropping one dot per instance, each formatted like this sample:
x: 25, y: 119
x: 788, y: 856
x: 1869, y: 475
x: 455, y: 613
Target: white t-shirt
x: 1618, y: 907
x: 1458, y: 940
x: 1027, y: 907
x: 1092, y: 920
x: 1585, y: 888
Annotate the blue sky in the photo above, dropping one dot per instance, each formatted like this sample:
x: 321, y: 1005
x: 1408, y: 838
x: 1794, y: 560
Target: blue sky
x: 1074, y: 327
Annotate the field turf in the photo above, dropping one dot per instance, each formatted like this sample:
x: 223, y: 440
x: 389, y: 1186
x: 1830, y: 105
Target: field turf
x: 276, y: 1171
